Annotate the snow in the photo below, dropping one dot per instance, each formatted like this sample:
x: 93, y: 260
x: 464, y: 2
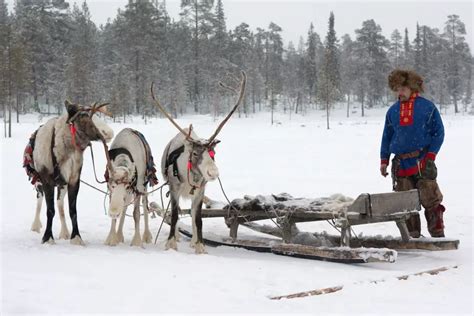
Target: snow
x: 299, y: 156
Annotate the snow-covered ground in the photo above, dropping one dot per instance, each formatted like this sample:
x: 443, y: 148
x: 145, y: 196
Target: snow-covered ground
x: 299, y: 156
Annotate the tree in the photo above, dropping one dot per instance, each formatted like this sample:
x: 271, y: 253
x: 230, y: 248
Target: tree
x: 371, y: 46
x: 313, y: 47
x: 406, y: 49
x: 454, y: 33
x: 396, y: 48
x: 5, y: 65
x: 329, y: 75
x: 197, y: 14
x: 274, y: 52
x: 417, y: 49
x: 82, y: 76
x: 349, y: 69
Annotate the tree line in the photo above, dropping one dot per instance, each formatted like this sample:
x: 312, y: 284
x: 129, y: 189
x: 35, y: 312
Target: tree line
x: 50, y: 51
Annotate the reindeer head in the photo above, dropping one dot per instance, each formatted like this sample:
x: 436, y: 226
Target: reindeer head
x: 121, y: 178
x: 87, y: 127
x: 201, y: 151
x: 201, y: 154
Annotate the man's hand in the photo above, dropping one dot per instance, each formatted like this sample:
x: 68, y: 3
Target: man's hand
x: 383, y: 170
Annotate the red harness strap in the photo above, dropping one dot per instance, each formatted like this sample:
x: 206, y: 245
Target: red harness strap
x: 73, y: 130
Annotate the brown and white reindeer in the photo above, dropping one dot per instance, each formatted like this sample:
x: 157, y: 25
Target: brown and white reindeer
x: 188, y: 164
x: 130, y: 169
x: 54, y: 157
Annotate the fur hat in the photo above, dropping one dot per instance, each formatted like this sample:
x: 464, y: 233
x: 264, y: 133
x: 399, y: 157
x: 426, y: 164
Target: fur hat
x: 405, y: 78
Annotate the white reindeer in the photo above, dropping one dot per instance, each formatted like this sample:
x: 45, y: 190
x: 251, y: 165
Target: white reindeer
x: 129, y: 155
x: 188, y: 164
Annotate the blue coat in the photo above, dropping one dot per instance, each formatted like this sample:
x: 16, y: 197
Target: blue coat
x: 425, y: 134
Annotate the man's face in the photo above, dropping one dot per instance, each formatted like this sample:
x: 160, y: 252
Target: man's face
x: 404, y: 93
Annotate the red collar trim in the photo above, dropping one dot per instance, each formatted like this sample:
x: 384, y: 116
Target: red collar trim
x: 407, y: 110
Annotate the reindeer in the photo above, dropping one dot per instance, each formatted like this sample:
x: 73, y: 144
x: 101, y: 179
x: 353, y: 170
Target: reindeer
x: 54, y: 158
x: 130, y: 169
x: 188, y: 164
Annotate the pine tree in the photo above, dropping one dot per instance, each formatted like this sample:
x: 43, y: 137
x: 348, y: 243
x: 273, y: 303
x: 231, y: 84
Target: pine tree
x: 454, y: 34
x: 313, y: 47
x: 5, y: 65
x: 417, y: 49
x: 274, y: 51
x: 82, y: 67
x: 406, y: 50
x: 198, y: 15
x: 329, y: 74
x: 371, y: 46
x: 395, y: 51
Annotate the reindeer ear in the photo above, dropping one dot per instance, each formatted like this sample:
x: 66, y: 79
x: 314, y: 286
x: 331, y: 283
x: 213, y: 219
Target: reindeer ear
x: 71, y: 108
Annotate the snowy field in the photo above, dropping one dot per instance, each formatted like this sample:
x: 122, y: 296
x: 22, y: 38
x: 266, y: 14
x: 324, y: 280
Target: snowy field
x: 299, y: 156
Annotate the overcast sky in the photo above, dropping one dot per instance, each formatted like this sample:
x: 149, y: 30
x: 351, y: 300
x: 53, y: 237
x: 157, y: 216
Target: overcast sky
x: 295, y: 16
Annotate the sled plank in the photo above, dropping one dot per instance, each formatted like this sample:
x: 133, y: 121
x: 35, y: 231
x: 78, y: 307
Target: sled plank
x: 337, y: 254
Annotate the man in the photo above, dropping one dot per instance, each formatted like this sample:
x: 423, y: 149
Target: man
x: 414, y: 132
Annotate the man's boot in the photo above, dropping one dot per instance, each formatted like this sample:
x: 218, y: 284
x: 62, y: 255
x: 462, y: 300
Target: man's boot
x: 414, y: 226
x: 434, y: 219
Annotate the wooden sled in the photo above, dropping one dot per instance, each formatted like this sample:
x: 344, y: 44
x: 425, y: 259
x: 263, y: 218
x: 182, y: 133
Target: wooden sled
x: 343, y: 212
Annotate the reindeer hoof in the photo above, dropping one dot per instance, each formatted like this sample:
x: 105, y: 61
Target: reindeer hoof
x: 36, y: 226
x: 120, y: 238
x: 193, y: 242
x: 77, y: 241
x: 171, y: 244
x: 136, y: 241
x: 50, y: 241
x: 64, y: 234
x: 147, y: 237
x: 111, y: 240
x: 199, y: 249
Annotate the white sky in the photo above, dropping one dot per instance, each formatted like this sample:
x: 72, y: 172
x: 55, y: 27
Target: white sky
x: 295, y: 16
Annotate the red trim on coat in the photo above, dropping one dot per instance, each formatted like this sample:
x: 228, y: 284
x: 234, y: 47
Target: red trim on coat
x: 431, y: 155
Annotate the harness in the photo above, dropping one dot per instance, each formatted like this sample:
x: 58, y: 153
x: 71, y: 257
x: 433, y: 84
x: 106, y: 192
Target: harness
x: 28, y: 162
x: 113, y: 153
x: 172, y: 160
x: 150, y: 173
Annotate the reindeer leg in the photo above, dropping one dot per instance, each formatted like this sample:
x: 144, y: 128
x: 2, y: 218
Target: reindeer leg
x: 72, y: 191
x: 64, y: 234
x: 147, y: 237
x: 112, y: 239
x: 48, y: 233
x: 137, y: 240
x: 196, y: 241
x: 36, y: 226
x: 171, y: 243
x: 120, y: 228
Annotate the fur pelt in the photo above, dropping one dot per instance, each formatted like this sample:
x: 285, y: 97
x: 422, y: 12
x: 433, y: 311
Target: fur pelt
x: 405, y: 78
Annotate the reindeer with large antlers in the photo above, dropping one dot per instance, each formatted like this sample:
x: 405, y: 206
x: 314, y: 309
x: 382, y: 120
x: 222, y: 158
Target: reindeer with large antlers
x: 188, y: 164
x: 53, y: 158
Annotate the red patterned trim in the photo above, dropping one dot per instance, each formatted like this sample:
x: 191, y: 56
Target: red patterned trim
x: 407, y: 110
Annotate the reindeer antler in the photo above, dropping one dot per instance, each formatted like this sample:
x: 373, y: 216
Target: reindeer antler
x: 102, y: 108
x: 162, y: 110
x: 243, y: 82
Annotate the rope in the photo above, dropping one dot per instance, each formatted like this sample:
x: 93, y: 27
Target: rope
x: 93, y: 166
x: 95, y: 188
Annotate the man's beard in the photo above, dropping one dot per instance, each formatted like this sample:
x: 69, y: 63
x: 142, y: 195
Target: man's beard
x: 403, y: 98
